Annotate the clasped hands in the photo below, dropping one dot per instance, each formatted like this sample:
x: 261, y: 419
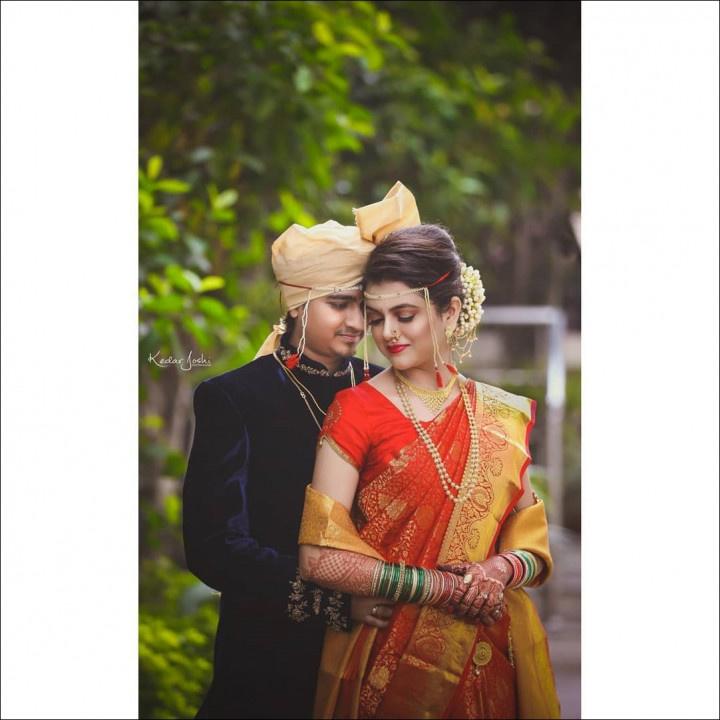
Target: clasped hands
x: 480, y: 596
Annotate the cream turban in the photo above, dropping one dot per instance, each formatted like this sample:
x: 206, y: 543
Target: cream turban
x: 312, y: 262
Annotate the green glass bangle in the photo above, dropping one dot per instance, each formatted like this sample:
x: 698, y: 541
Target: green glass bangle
x: 389, y: 571
x: 526, y: 565
x: 410, y: 586
x: 531, y: 565
x: 400, y: 587
x: 403, y: 591
x: 385, y: 580
x: 413, y: 584
x: 536, y: 567
x: 410, y: 583
x: 394, y: 579
x: 377, y: 575
x: 419, y: 585
x: 381, y: 580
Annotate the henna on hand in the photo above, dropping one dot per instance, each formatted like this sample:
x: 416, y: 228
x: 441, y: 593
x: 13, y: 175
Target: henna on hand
x: 342, y: 570
x: 484, y: 595
x: 487, y: 613
x: 499, y: 568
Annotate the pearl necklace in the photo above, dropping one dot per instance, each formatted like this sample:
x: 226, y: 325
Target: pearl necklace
x: 471, y: 474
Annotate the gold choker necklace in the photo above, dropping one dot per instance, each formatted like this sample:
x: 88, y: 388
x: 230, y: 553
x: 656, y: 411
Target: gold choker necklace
x: 432, y: 399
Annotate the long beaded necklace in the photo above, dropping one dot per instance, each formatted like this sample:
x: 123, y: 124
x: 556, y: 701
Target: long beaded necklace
x: 432, y: 399
x: 471, y: 474
x: 304, y: 392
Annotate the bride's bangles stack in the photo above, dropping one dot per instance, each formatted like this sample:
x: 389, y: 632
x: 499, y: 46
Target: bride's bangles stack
x: 524, y: 566
x: 408, y: 584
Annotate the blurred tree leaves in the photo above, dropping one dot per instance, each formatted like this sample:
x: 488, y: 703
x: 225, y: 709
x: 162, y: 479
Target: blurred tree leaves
x: 255, y: 115
x: 176, y: 642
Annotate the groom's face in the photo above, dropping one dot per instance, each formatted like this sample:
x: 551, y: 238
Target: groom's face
x: 334, y: 326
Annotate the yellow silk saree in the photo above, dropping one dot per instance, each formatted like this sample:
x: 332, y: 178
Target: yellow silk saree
x: 427, y: 663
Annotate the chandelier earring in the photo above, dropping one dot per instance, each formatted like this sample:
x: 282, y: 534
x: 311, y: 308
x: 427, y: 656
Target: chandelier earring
x: 366, y: 339
x: 451, y: 337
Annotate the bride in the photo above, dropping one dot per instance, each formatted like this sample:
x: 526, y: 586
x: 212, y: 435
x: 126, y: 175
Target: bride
x: 420, y: 497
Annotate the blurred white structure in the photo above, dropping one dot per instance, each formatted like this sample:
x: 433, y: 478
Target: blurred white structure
x: 551, y: 321
x: 549, y: 324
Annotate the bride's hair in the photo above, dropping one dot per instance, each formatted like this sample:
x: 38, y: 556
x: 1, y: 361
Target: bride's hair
x: 418, y: 256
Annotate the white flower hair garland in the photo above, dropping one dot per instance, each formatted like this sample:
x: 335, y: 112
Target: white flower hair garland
x: 471, y: 312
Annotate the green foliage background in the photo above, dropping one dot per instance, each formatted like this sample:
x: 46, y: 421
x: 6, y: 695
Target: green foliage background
x: 255, y: 115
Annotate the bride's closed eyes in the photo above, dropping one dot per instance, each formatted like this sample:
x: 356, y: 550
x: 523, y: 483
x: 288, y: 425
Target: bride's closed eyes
x: 401, y: 318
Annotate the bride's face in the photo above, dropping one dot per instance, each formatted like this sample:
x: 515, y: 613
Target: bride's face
x: 400, y: 326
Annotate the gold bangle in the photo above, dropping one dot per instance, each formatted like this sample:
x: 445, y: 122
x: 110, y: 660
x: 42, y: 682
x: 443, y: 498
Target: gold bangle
x: 376, y: 578
x: 398, y: 592
x: 414, y: 578
x: 429, y: 587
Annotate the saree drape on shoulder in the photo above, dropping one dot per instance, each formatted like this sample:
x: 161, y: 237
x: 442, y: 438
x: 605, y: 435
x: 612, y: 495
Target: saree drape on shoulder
x: 428, y: 664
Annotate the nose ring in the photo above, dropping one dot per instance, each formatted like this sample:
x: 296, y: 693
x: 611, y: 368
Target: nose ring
x: 395, y: 335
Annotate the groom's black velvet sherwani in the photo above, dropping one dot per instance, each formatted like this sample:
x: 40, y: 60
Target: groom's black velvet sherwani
x: 252, y: 456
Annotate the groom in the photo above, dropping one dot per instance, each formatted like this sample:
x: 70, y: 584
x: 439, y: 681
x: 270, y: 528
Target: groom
x: 252, y: 456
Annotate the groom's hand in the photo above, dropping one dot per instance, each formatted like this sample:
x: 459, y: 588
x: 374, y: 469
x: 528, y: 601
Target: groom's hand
x: 371, y: 611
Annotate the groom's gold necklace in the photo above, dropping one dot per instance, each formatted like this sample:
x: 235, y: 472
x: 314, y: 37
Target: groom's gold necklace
x: 305, y: 393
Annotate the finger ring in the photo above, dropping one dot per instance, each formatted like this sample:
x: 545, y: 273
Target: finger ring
x: 497, y: 612
x: 373, y: 612
x: 484, y: 595
x: 468, y: 578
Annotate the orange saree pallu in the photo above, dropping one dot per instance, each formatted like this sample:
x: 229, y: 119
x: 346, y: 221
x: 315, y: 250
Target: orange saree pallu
x: 427, y: 663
